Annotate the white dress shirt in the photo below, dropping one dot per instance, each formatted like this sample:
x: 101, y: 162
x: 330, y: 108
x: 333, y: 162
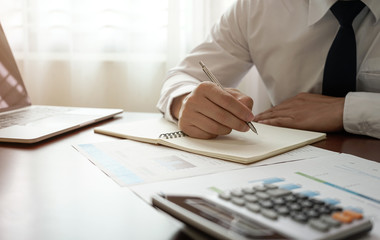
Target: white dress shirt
x: 287, y: 41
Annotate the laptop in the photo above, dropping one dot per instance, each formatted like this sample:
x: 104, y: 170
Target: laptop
x: 22, y: 122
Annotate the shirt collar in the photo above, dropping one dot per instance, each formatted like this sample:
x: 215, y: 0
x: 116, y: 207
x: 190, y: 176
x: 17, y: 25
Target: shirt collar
x: 374, y: 7
x: 318, y: 8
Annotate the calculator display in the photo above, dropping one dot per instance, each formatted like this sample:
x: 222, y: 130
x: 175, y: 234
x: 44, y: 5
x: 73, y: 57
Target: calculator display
x: 225, y: 218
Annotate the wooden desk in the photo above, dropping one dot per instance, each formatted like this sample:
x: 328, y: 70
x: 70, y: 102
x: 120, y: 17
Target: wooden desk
x: 361, y: 146
x: 50, y: 191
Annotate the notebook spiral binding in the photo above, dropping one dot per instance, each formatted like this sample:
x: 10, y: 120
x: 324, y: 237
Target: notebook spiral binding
x: 172, y: 135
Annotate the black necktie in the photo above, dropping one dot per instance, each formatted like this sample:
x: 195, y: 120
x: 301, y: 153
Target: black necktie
x: 339, y: 76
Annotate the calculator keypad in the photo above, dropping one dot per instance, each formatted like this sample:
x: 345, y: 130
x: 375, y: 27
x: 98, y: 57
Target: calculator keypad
x: 273, y: 202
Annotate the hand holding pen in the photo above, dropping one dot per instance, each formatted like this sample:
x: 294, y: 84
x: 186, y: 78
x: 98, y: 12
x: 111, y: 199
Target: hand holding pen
x: 216, y: 81
x: 208, y: 111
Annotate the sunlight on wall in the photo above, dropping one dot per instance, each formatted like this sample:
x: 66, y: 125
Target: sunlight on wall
x: 97, y: 53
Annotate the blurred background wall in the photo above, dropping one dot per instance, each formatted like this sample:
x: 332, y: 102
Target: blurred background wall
x: 112, y: 53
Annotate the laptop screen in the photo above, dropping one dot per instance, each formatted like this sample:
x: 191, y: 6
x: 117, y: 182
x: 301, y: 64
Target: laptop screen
x: 12, y: 89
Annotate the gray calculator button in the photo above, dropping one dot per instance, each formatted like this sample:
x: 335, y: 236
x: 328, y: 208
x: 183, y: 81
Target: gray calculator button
x: 248, y: 190
x: 225, y: 195
x: 251, y: 198
x: 282, y: 210
x: 295, y: 207
x: 278, y: 201
x: 253, y: 207
x: 238, y: 201
x: 290, y: 198
x: 260, y: 188
x: 271, y: 186
x: 269, y: 213
x: 262, y: 195
x: 279, y: 192
x: 266, y: 203
x: 300, y: 217
x: 237, y: 193
x: 312, y: 213
x: 307, y: 203
x: 330, y: 221
x: 324, y: 209
x: 319, y: 225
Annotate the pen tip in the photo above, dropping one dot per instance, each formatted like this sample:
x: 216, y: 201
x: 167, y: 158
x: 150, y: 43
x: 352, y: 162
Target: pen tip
x: 250, y: 125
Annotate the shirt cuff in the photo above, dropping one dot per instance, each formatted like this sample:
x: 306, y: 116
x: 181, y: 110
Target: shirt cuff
x: 175, y: 86
x: 178, y: 92
x: 362, y: 113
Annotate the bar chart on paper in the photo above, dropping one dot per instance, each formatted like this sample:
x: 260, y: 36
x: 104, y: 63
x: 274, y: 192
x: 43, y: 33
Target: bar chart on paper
x: 130, y: 162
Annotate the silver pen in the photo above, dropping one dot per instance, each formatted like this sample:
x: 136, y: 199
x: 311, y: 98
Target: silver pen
x: 215, y: 80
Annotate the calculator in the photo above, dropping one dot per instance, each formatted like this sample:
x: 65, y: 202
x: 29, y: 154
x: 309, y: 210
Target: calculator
x: 264, y: 211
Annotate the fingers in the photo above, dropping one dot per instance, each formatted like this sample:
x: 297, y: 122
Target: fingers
x: 227, y: 102
x: 246, y: 100
x: 210, y: 111
x: 306, y: 111
x: 287, y: 110
x: 277, y: 117
x: 200, y: 126
x: 274, y: 112
x: 282, y: 121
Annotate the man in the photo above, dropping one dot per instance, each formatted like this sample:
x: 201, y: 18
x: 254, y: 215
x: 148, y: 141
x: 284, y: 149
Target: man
x: 288, y: 41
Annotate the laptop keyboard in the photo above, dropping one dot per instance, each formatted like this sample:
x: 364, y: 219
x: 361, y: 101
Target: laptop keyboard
x: 28, y: 115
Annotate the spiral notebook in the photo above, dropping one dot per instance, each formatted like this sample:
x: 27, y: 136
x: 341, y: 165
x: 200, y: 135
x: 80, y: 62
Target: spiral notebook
x: 241, y: 147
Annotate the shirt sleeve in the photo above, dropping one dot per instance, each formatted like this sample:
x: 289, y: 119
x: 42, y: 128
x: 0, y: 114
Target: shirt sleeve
x: 173, y: 87
x: 362, y: 113
x: 225, y: 52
